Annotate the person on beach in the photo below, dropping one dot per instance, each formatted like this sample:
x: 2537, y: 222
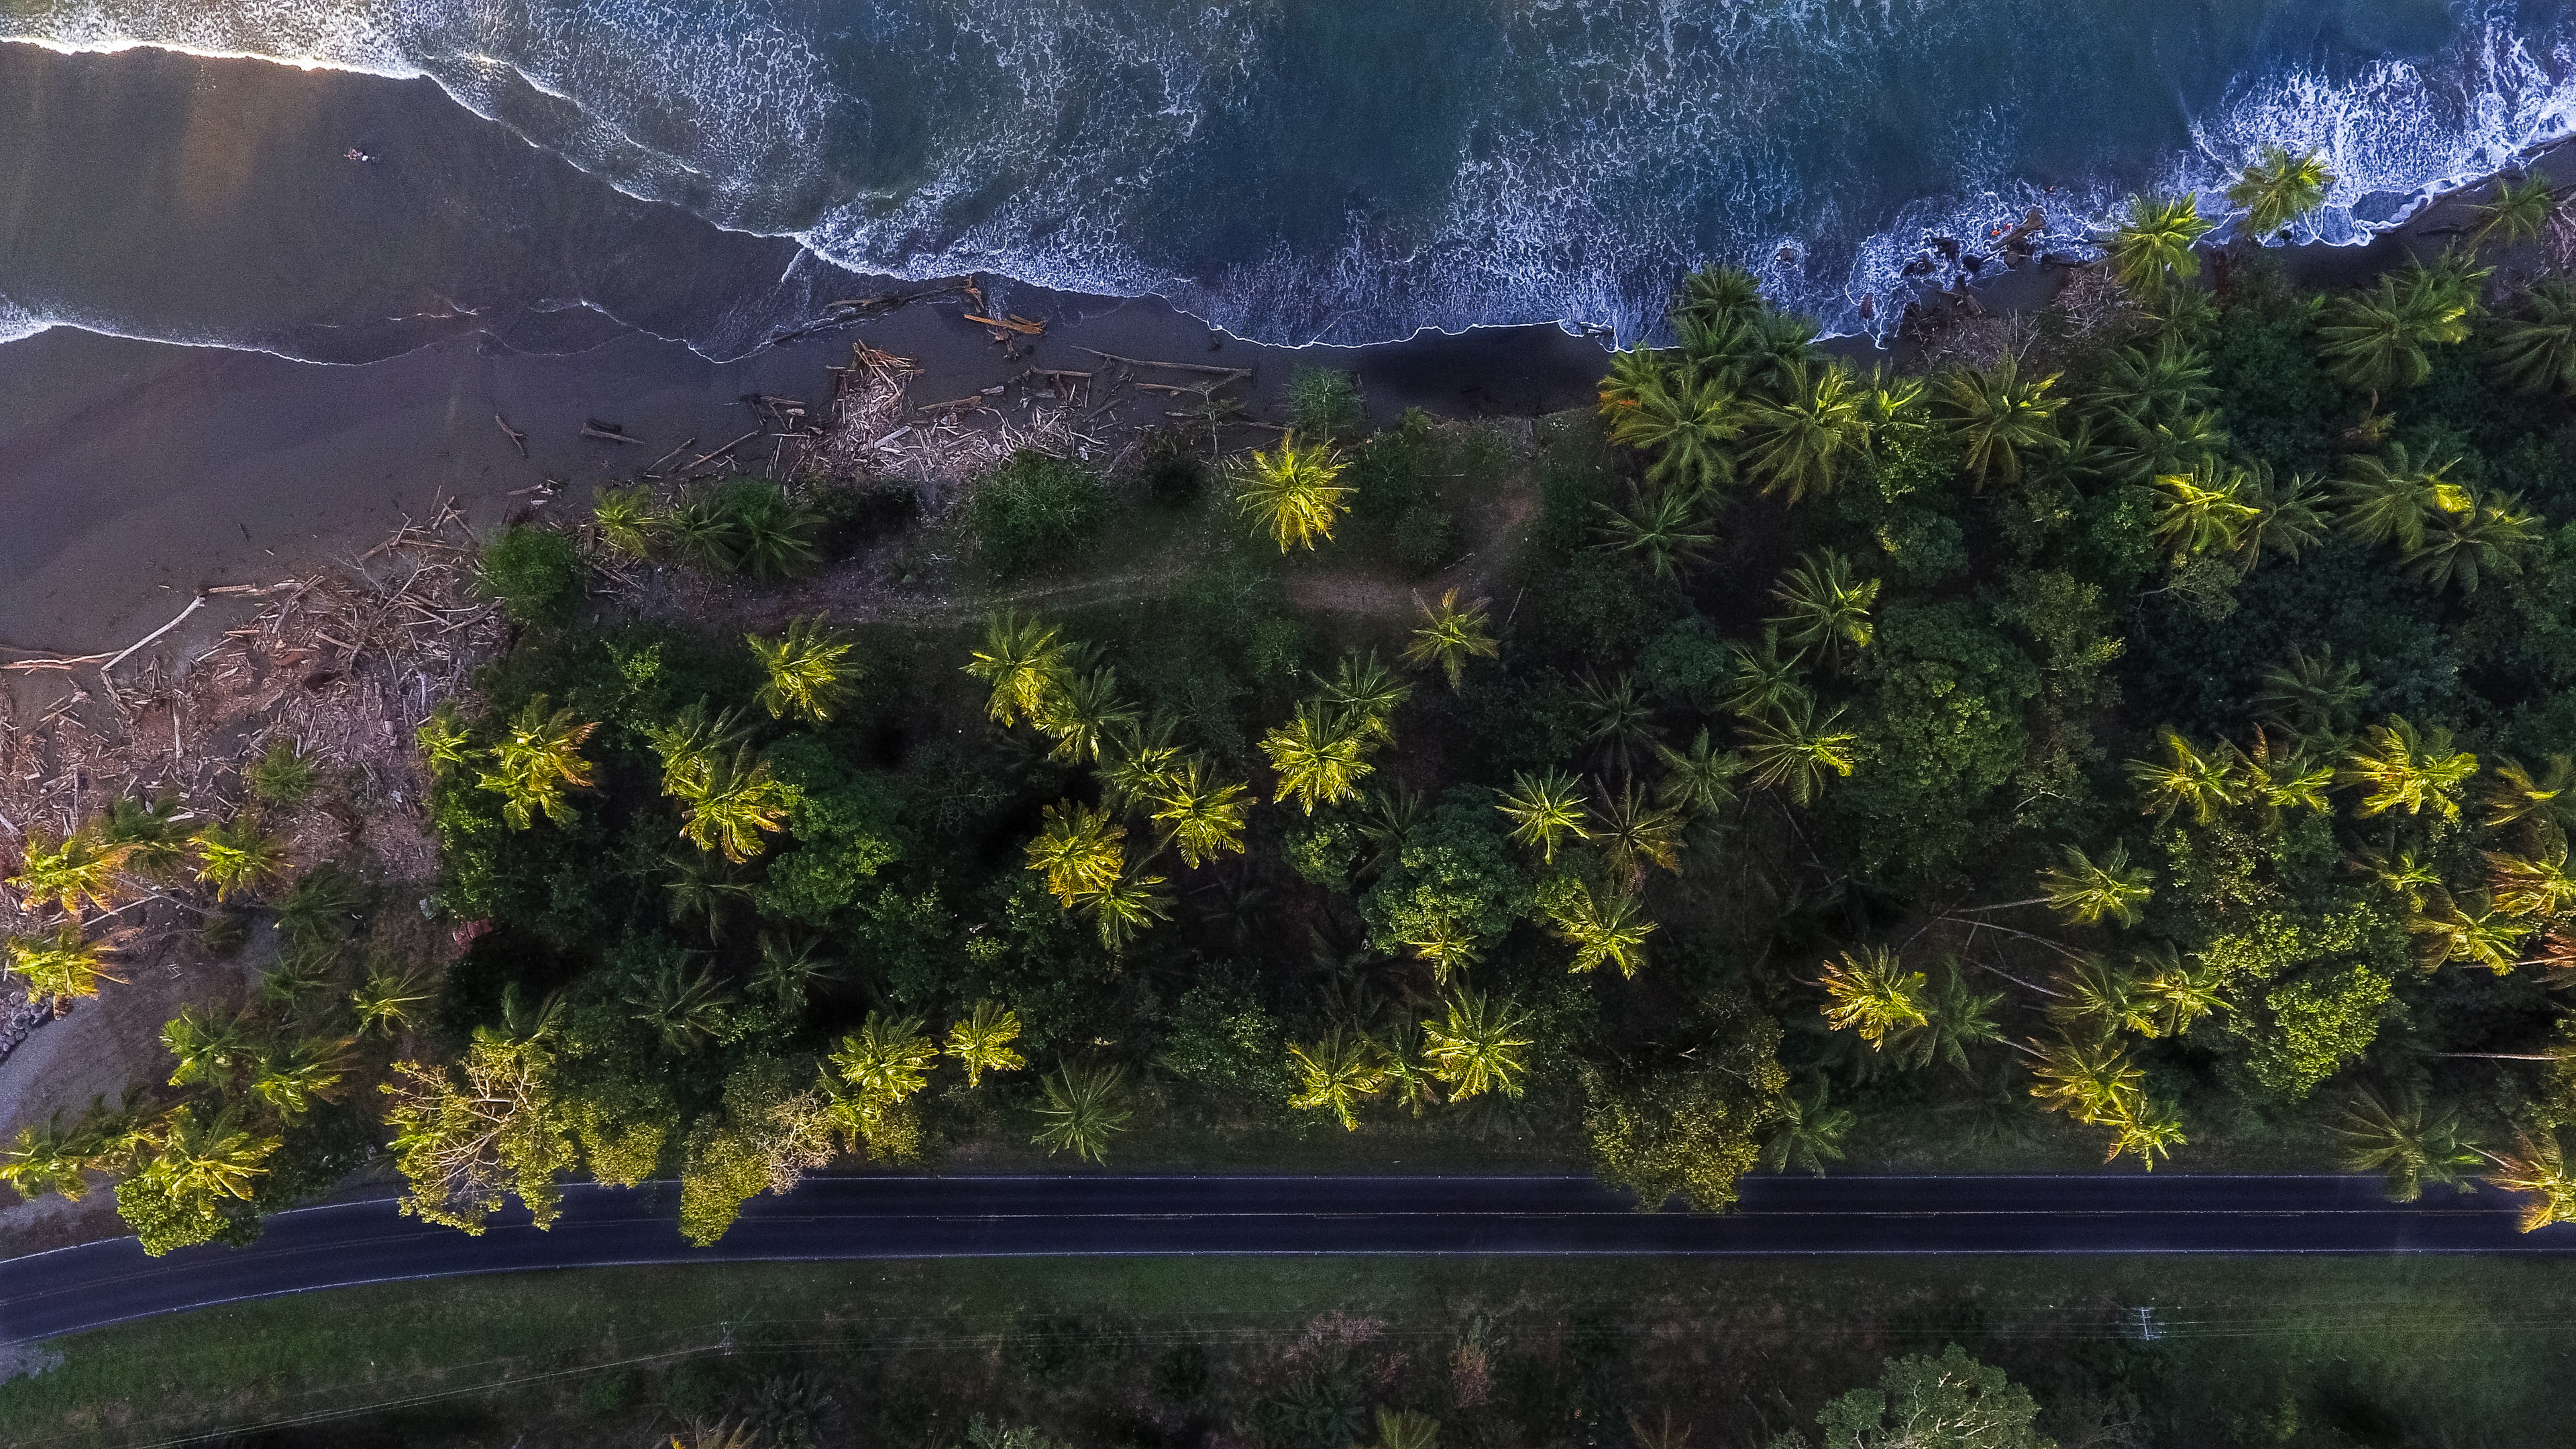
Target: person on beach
x: 354, y: 154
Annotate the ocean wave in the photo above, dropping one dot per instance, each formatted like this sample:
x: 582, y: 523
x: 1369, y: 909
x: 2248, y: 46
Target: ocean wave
x: 1329, y: 174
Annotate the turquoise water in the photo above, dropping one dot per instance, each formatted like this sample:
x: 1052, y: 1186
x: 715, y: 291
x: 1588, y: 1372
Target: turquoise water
x: 1292, y: 170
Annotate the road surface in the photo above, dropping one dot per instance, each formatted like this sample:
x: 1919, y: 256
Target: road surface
x: 47, y: 1294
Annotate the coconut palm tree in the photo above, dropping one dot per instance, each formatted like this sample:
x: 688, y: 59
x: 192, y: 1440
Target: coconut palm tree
x: 2155, y: 248
x: 1615, y: 720
x: 1335, y: 1074
x: 1826, y: 608
x: 1800, y: 444
x: 1634, y: 373
x: 1388, y: 825
x: 2287, y: 519
x: 1603, y: 932
x: 1319, y: 755
x: 1544, y: 810
x: 2143, y: 452
x: 151, y: 833
x: 1448, y: 944
x: 2538, y: 1168
x: 1200, y: 816
x: 1809, y: 1134
x: 1766, y: 683
x: 1477, y: 1047
x: 2494, y: 536
x: 78, y: 867
x: 2002, y: 422
x: 1635, y: 833
x: 683, y: 1008
x: 1958, y: 1016
x: 628, y: 519
x: 1399, y: 1045
x: 1131, y: 903
x: 2273, y: 784
x: 1023, y: 660
x: 2516, y: 795
x: 885, y: 1061
x: 1700, y: 781
x: 1082, y: 1111
x: 2471, y: 930
x: 1407, y: 1430
x: 58, y: 965
x: 1139, y: 764
x: 2316, y: 698
x: 1717, y: 297
x: 733, y: 804
x: 211, y: 1050
x: 1084, y: 713
x: 292, y: 1077
x: 2094, y: 994
x: 1295, y: 494
x: 981, y: 1041
x: 198, y: 1157
x: 1684, y: 426
x: 2518, y: 212
x: 809, y: 670
x: 2394, y: 1137
x: 2277, y: 188
x: 1078, y: 850
x: 1364, y: 689
x: 2145, y: 1128
x: 2089, y: 1078
x: 387, y: 1000
x: 536, y: 760
x: 2179, y: 996
x: 2086, y: 893
x: 2142, y: 388
x: 2375, y: 341
x: 1795, y: 748
x: 1452, y: 634
x: 2536, y: 352
x: 1663, y: 528
x: 772, y: 535
x: 2187, y: 778
x: 1872, y: 993
x: 2205, y: 511
x: 2400, y: 766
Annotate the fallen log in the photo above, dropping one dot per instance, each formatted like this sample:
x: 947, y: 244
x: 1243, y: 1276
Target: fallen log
x: 1020, y: 325
x: 1175, y: 366
x: 675, y: 452
x: 517, y: 439
x: 727, y: 448
x: 588, y: 431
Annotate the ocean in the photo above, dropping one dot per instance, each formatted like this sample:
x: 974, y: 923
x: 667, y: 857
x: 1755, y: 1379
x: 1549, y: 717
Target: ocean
x: 1344, y: 171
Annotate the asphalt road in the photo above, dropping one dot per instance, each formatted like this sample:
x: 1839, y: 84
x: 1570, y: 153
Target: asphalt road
x: 47, y: 1294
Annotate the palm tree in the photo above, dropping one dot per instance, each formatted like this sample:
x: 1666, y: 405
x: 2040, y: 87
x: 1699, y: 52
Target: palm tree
x: 290, y: 1079
x: 628, y: 519
x: 2394, y: 1138
x: 1827, y: 609
x: 211, y: 1050
x: 1611, y: 931
x: 2313, y: 697
x: 2517, y: 796
x: 2148, y: 451
x: 386, y: 1000
x: 1870, y: 992
x: 1798, y: 445
x: 2146, y: 1128
x: 201, y: 1158
x: 1633, y: 373
x: 79, y: 867
x: 772, y: 535
x: 1683, y: 425
x: 690, y: 745
x: 1795, y: 748
x: 1294, y: 494
x: 2085, y: 893
x: 1081, y: 1111
x: 1388, y: 824
x: 1362, y: 688
x: 809, y: 670
x: 1319, y: 755
x: 1131, y: 903
x: 2536, y: 352
x: 703, y: 534
x: 58, y: 966
x: 1810, y: 1133
x: 1022, y: 660
x: 1452, y: 634
x: 1700, y: 781
x: 1477, y: 1047
x: 1717, y: 297
x: 2492, y: 537
x: 733, y: 804
x: 2186, y: 779
x: 684, y: 1009
x: 149, y: 831
x: 1078, y: 850
x: 1407, y: 1430
x: 2538, y: 1168
x: 1335, y: 1073
x: 2154, y: 248
x: 2375, y: 341
x: 2180, y: 995
x: 1544, y: 810
x: 2141, y: 388
x: 1958, y: 1016
x: 445, y: 744
x: 981, y: 1041
x: 1765, y: 683
x: 2204, y: 512
x: 1084, y: 712
x: 1399, y: 1049
x: 2518, y: 212
x: 2089, y: 1079
x: 1635, y: 832
x: 538, y: 758
x: 2002, y: 423
x: 1200, y: 816
x: 2470, y: 929
x: 2278, y: 188
x: 2296, y: 780
x: 1140, y: 763
x: 1663, y: 527
x: 1616, y: 721
x: 2095, y: 994
x: 886, y: 1060
x: 2399, y: 766
x: 1447, y: 944
x: 704, y: 888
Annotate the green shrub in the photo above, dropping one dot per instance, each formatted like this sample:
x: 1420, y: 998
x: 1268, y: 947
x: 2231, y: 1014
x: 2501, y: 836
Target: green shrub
x: 607, y: 1392
x: 282, y: 776
x: 1325, y: 402
x: 1423, y: 538
x: 535, y: 574
x: 695, y: 1388
x: 1032, y: 510
x: 1170, y: 468
x: 747, y: 526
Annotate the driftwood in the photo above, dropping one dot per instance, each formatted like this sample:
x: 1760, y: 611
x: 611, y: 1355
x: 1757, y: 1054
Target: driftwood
x: 517, y: 439
x: 588, y: 431
x: 675, y: 452
x: 727, y: 448
x: 1174, y: 366
x: 1021, y: 325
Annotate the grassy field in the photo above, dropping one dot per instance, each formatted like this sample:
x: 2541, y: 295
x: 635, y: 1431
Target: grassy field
x: 1288, y: 1353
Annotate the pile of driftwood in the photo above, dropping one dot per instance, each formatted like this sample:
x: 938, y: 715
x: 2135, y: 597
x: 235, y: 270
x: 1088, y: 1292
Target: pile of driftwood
x: 343, y: 665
